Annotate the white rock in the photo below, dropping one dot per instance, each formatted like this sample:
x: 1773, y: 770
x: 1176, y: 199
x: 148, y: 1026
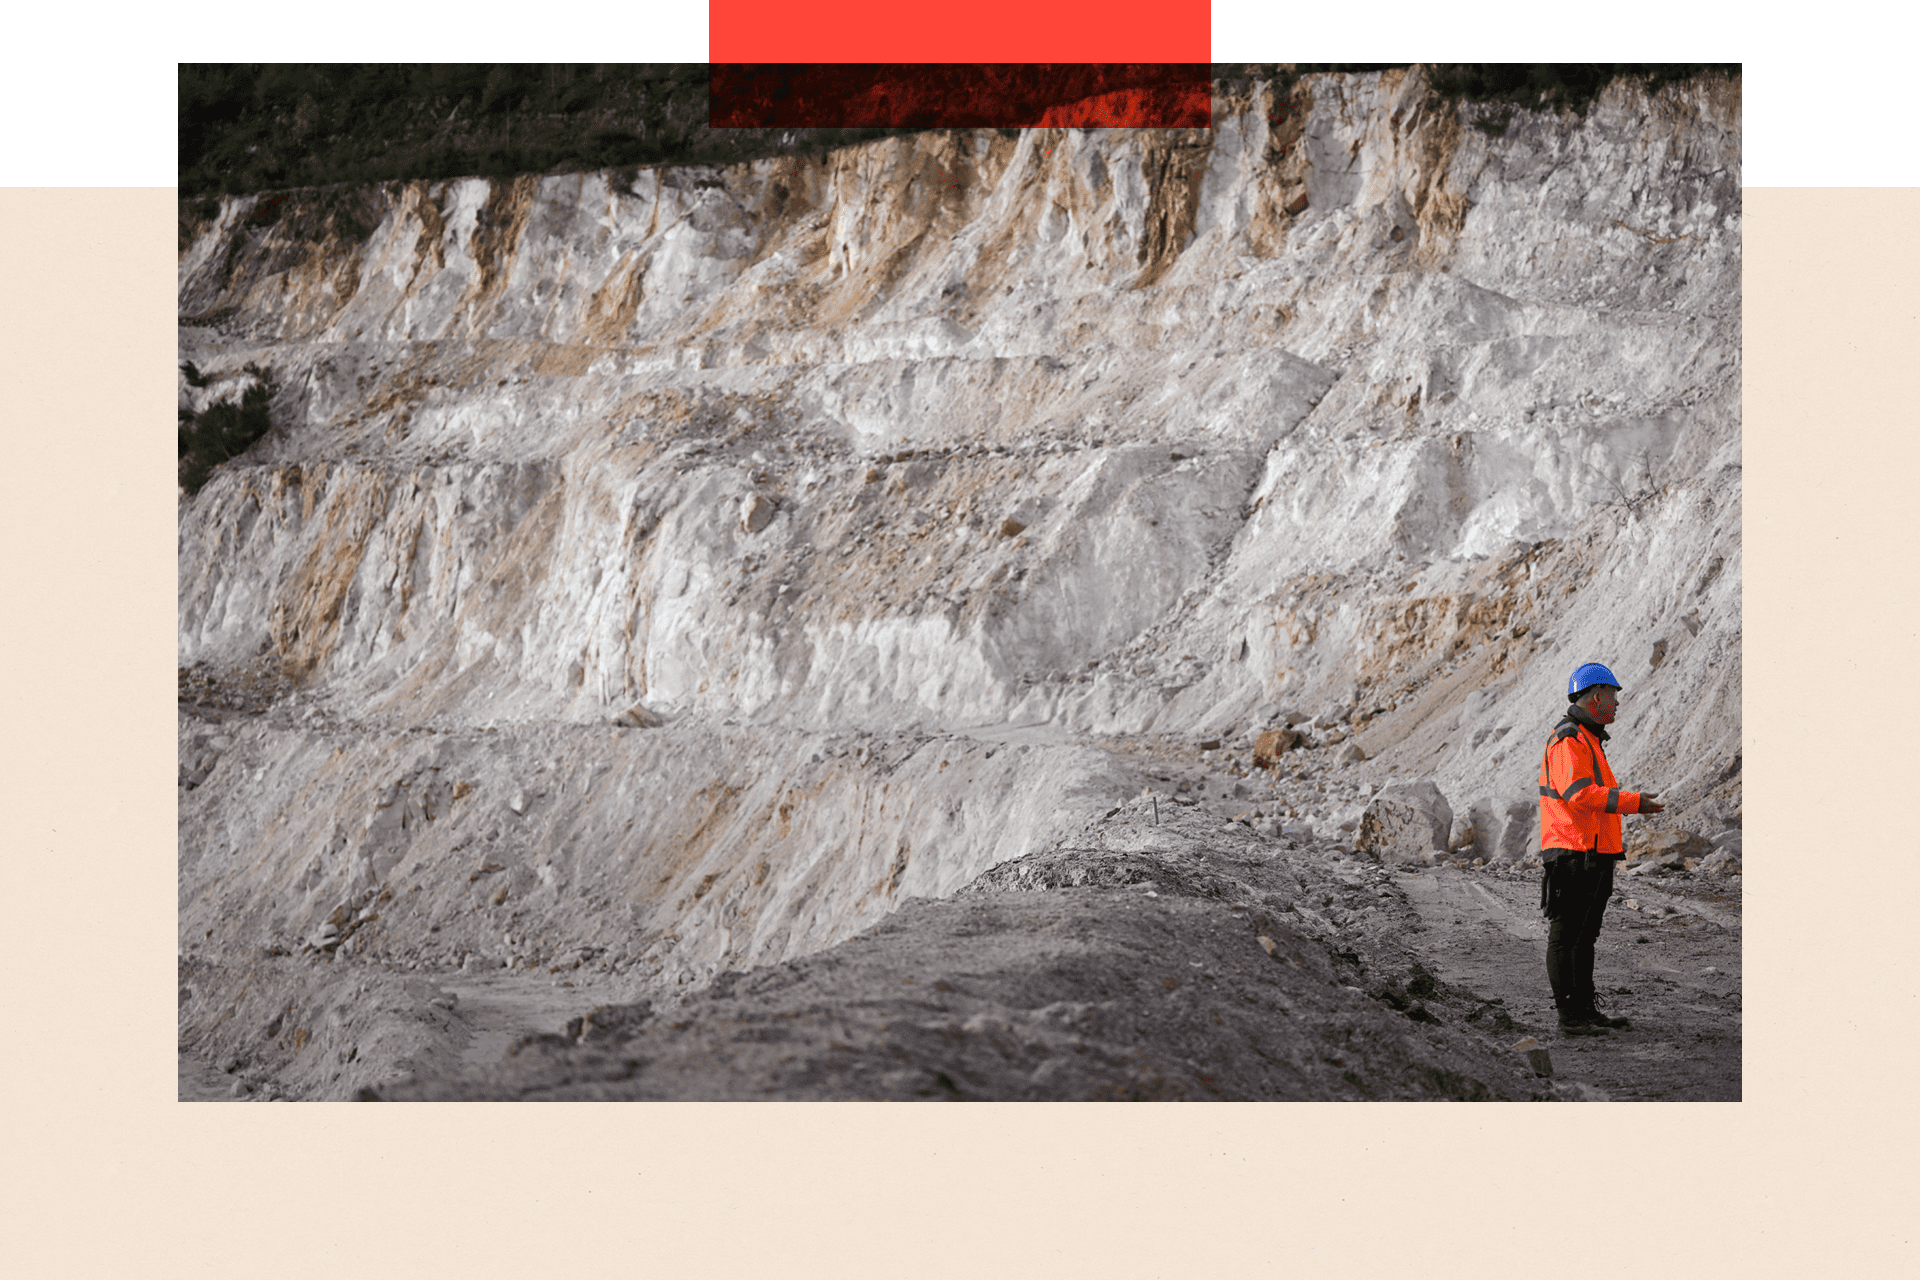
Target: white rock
x: 1503, y: 831
x: 1424, y: 797
x: 756, y: 512
x: 1395, y: 832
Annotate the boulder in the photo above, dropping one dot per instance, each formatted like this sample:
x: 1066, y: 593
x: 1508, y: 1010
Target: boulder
x: 1503, y: 830
x: 1519, y: 837
x: 1424, y: 796
x: 1482, y: 818
x: 1720, y: 862
x: 1674, y: 845
x: 607, y: 1021
x: 756, y: 512
x: 1274, y: 743
x: 1395, y: 831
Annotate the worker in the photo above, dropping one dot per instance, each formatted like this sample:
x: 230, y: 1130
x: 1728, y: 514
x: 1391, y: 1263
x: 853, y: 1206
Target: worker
x: 1581, y: 804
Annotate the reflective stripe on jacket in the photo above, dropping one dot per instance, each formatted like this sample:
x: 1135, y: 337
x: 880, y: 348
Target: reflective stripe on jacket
x: 1580, y: 799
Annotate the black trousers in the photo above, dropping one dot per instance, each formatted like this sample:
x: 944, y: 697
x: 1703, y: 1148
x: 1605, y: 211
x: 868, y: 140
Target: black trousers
x: 1573, y: 894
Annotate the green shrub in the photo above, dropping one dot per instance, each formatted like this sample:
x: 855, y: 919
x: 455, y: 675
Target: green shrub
x: 221, y: 431
x: 1563, y: 86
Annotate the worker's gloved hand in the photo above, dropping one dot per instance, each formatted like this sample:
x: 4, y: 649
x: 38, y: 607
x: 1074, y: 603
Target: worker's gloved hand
x: 1650, y: 805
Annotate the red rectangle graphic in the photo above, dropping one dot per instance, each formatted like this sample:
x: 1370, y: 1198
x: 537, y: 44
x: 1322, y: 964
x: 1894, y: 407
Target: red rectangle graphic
x: 1127, y: 95
x: 982, y: 31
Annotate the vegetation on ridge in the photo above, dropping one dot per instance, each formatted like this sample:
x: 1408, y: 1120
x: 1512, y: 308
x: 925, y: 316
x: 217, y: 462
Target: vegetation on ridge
x: 249, y: 127
x: 224, y: 430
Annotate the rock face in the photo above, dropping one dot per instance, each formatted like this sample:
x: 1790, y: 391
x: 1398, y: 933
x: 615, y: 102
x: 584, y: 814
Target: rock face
x: 691, y: 570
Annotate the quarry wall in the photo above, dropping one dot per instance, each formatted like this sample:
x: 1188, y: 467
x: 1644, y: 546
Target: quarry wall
x: 676, y: 572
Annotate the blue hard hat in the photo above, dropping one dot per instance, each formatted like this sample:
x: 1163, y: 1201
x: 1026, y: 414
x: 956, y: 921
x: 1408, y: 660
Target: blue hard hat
x: 1588, y: 676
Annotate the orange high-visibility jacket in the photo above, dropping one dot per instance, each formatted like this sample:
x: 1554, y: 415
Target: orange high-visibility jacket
x: 1580, y: 799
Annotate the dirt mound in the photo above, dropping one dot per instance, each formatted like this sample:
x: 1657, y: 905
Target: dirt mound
x: 1150, y: 962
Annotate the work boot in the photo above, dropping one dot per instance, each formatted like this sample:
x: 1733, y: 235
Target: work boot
x: 1584, y: 1005
x: 1574, y: 1020
x: 1599, y: 1019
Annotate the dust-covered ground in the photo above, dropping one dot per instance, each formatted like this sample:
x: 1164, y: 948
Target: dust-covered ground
x: 1134, y: 967
x: 1669, y: 960
x: 1179, y: 947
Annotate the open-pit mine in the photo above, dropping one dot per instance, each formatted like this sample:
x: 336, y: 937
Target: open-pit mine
x: 980, y: 614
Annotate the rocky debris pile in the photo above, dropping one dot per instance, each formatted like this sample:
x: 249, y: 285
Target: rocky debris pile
x: 1184, y: 959
x: 290, y: 1026
x: 1671, y: 844
x: 200, y: 751
x: 249, y: 688
x: 1721, y: 862
x: 1671, y: 850
x: 662, y: 855
x: 336, y: 932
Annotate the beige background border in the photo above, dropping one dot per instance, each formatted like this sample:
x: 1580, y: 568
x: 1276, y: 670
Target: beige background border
x: 107, y: 1172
